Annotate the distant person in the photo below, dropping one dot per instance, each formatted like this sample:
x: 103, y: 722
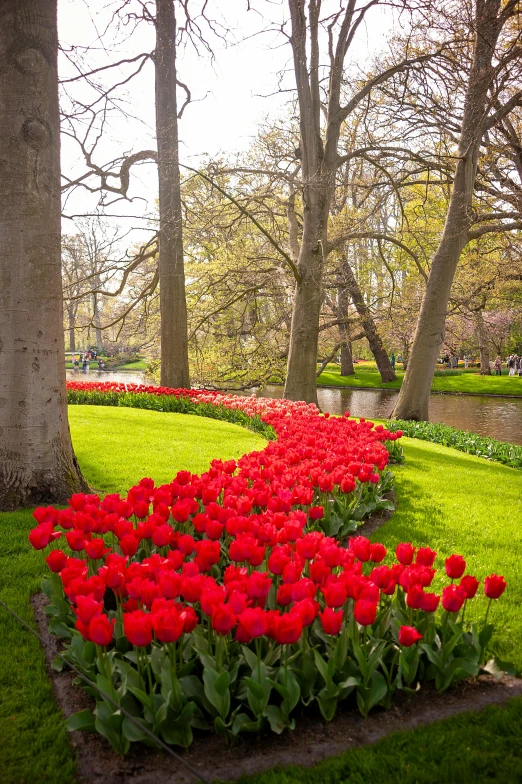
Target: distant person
x: 393, y: 361
x: 498, y: 365
x: 466, y: 362
x: 76, y: 365
x: 101, y: 364
x: 84, y: 365
x: 511, y: 364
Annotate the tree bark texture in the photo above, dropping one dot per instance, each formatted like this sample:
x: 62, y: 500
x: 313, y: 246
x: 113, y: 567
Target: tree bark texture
x: 482, y: 339
x: 72, y: 333
x: 37, y: 462
x: 414, y: 396
x: 347, y: 368
x: 173, y: 304
x: 343, y: 300
x: 368, y: 324
x: 317, y: 183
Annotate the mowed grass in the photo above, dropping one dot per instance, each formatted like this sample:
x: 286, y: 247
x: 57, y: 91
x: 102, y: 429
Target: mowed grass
x: 116, y: 447
x: 368, y: 377
x: 451, y: 501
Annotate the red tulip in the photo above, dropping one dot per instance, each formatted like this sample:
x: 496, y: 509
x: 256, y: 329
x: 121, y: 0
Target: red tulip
x: 408, y: 636
x: 494, y: 586
x: 365, y: 612
x: 470, y: 585
x: 331, y: 621
x: 430, y: 602
x: 334, y: 594
x: 360, y: 546
x: 87, y: 607
x: 455, y: 566
x: 223, y: 619
x: 425, y: 556
x: 167, y: 624
x: 138, y: 628
x: 288, y: 628
x: 377, y: 552
x: 405, y: 552
x: 254, y: 622
x: 96, y: 549
x: 101, y: 630
x: 56, y: 560
x: 453, y: 597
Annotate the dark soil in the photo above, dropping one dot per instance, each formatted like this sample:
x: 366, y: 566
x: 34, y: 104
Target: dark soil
x: 312, y: 741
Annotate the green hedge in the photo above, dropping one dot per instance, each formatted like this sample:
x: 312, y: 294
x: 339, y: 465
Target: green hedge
x: 463, y: 440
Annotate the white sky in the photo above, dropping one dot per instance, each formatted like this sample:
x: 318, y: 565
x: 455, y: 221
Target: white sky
x: 231, y: 88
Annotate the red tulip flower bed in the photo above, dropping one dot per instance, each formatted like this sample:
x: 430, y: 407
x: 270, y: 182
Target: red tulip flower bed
x: 228, y: 601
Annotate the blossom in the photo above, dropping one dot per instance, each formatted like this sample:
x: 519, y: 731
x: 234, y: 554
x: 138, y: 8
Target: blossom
x: 455, y: 566
x: 408, y: 636
x: 137, y: 626
x: 331, y: 620
x: 453, y: 597
x: 101, y: 630
x: 494, y: 586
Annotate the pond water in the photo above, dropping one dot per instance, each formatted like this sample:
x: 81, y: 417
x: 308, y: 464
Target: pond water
x: 500, y: 418
x: 113, y: 376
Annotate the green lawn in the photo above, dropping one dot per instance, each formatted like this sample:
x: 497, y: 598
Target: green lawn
x: 367, y: 376
x: 137, y: 364
x: 449, y: 500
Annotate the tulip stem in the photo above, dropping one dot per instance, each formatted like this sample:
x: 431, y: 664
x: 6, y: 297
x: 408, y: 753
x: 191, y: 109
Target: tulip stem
x: 487, y: 612
x: 258, y: 651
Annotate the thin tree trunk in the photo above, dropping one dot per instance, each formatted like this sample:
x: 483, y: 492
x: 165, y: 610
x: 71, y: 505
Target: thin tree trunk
x: 72, y: 334
x: 96, y: 320
x: 482, y: 338
x: 343, y: 299
x: 368, y: 324
x: 347, y: 368
x: 37, y: 463
x: 173, y: 304
x: 414, y: 396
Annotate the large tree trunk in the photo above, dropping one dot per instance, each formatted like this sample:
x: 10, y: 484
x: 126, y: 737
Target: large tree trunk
x: 482, y: 338
x: 368, y: 324
x: 413, y: 401
x: 301, y: 383
x: 37, y: 463
x: 173, y: 304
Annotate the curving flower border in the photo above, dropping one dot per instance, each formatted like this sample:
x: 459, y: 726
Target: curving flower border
x: 227, y: 600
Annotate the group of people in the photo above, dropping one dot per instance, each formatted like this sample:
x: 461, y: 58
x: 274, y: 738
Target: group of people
x: 83, y: 361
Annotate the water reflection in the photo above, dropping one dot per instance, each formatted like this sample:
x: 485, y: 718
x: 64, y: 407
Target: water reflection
x: 112, y: 376
x: 500, y: 418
